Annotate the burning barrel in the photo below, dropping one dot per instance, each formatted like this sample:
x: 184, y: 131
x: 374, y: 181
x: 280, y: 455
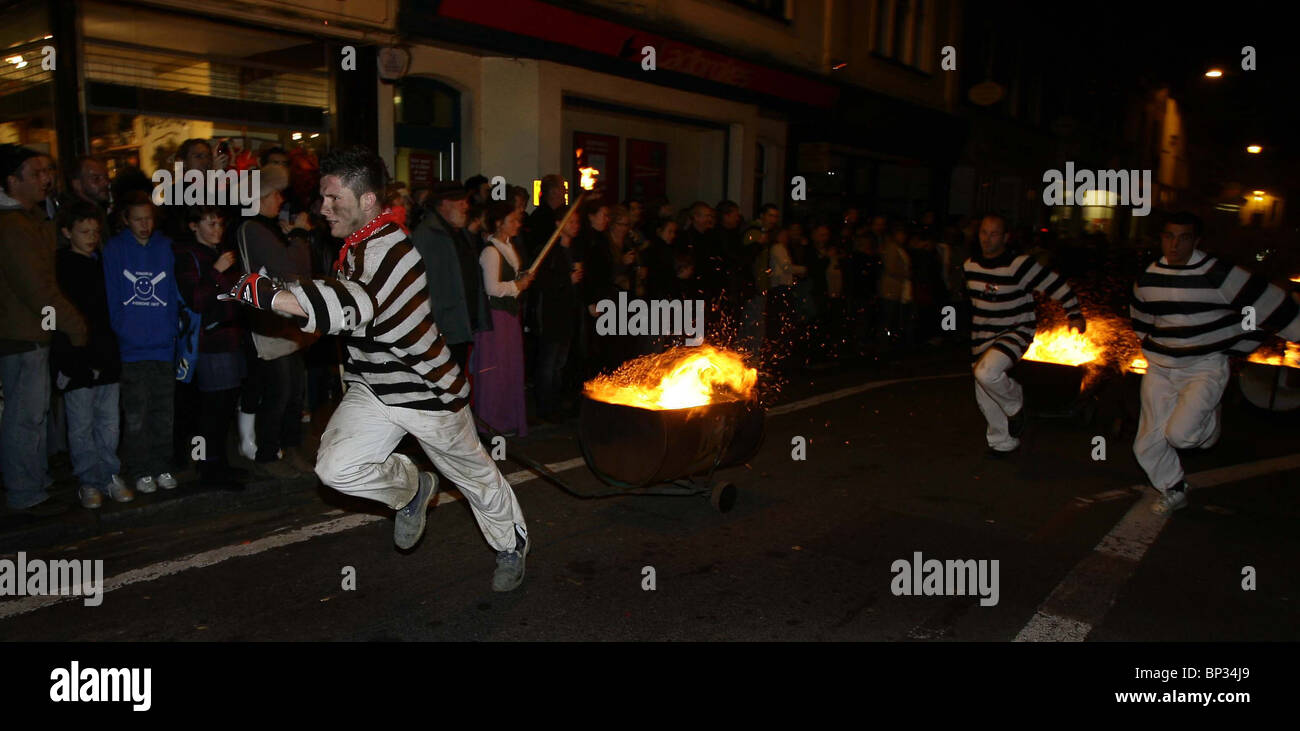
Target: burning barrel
x: 672, y: 418
x: 1271, y: 379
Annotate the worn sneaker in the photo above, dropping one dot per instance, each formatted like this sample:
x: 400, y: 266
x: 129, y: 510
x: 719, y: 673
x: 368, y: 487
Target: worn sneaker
x: 409, y: 525
x: 1170, y: 501
x: 145, y: 485
x: 167, y: 482
x: 510, y: 565
x: 90, y: 497
x: 118, y: 491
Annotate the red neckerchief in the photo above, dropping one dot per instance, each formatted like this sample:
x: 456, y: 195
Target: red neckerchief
x: 396, y: 214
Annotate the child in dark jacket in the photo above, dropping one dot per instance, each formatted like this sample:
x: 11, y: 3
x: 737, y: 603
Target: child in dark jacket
x: 88, y: 376
x: 203, y: 271
x: 140, y: 278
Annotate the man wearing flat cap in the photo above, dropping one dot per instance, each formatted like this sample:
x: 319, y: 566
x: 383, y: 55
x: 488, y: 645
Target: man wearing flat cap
x: 460, y: 305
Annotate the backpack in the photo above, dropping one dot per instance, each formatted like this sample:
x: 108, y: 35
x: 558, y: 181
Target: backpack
x: 188, y: 326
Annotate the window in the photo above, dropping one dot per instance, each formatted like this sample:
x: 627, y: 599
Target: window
x: 426, y: 130
x: 901, y: 33
x: 26, y: 87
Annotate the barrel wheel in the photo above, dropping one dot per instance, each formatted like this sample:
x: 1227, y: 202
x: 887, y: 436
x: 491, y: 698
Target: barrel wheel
x: 723, y: 497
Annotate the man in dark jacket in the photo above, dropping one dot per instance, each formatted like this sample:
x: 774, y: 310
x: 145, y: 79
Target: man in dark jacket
x: 31, y: 305
x: 455, y: 284
x: 541, y: 223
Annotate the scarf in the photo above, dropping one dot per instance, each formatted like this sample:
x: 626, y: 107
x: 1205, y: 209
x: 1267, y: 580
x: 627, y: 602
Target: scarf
x: 396, y: 214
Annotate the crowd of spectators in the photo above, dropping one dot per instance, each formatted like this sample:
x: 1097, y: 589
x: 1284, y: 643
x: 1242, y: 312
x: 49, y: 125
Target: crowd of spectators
x: 104, y: 291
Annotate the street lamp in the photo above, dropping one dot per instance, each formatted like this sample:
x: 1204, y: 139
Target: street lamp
x: 1213, y: 73
x: 1254, y: 149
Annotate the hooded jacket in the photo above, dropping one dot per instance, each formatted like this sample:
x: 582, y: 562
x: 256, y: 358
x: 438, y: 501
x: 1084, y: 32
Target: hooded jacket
x: 27, y: 282
x: 140, y: 281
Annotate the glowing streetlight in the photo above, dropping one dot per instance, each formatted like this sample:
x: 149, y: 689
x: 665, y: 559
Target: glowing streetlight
x: 1213, y: 73
x: 1254, y: 149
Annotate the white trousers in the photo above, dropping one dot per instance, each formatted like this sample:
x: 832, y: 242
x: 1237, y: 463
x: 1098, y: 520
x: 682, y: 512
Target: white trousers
x: 1179, y: 411
x: 998, y: 396
x: 356, y: 457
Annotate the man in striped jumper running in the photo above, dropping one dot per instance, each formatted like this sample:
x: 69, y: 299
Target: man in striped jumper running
x: 1001, y: 286
x: 403, y: 379
x: 1189, y: 308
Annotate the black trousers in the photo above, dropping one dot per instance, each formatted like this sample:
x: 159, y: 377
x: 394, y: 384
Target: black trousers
x: 279, y: 414
x: 217, y: 410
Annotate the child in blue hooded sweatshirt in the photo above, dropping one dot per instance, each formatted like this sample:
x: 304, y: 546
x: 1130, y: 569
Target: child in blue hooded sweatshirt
x: 140, y: 279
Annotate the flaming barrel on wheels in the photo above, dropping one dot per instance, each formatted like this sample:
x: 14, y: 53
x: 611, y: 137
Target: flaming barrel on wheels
x: 1270, y: 380
x: 664, y: 424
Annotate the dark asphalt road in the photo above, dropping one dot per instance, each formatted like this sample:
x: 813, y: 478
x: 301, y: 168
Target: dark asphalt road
x: 805, y: 554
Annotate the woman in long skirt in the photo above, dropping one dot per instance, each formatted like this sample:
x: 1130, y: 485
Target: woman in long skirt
x: 498, y: 358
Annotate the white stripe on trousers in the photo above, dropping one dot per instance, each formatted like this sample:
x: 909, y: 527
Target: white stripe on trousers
x: 998, y: 396
x: 1179, y: 411
x: 364, y: 429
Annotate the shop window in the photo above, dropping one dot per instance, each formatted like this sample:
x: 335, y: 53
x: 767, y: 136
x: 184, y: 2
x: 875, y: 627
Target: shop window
x: 426, y: 131
x: 26, y: 89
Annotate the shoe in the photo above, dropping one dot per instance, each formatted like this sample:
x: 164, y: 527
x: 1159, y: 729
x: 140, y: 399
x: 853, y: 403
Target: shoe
x: 277, y: 470
x: 146, y: 485
x: 167, y: 482
x: 117, y: 490
x: 510, y: 565
x: 90, y: 497
x: 46, y: 508
x: 409, y: 525
x: 1002, y: 453
x: 1016, y: 424
x: 247, y: 435
x: 1170, y: 501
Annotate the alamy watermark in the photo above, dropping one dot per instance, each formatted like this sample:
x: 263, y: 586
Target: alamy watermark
x: 1113, y: 188
x: 211, y: 188
x: 933, y: 577
x: 39, y: 577
x: 651, y: 317
x: 97, y: 685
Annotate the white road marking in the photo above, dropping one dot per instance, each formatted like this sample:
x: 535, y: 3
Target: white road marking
x: 356, y: 520
x: 1092, y: 585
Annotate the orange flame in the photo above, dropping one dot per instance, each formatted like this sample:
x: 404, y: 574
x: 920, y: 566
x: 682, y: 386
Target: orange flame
x: 1109, y: 340
x: 677, y: 379
x: 1272, y: 355
x: 589, y: 176
x: 1065, y: 346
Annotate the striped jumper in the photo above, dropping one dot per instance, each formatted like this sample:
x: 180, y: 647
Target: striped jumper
x: 382, y: 304
x: 1001, y: 291
x: 1183, y: 313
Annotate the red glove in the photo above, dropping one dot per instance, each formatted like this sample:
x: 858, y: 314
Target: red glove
x: 256, y: 290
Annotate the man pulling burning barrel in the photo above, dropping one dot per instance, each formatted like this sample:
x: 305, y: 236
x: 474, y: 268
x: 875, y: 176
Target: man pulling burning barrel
x: 1192, y: 312
x: 403, y: 379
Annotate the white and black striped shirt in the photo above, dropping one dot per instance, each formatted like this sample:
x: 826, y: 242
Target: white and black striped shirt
x: 382, y: 304
x: 1183, y: 313
x: 1002, y: 301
